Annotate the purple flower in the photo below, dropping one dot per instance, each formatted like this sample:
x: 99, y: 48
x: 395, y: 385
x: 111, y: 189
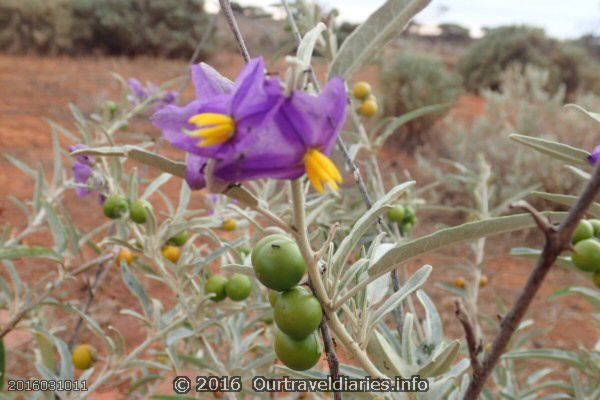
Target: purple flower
x: 83, y: 174
x: 595, y: 156
x: 142, y: 93
x: 226, y: 117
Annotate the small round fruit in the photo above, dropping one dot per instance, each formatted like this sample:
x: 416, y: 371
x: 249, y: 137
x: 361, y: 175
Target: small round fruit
x: 279, y: 265
x: 298, y: 313
x: 410, y: 216
x: 396, y: 214
x: 125, y: 255
x: 171, y: 253
x: 407, y: 227
x: 483, y: 281
x: 264, y: 241
x: 84, y: 356
x: 298, y: 355
x: 180, y: 239
x: 586, y: 256
x: 238, y: 287
x: 229, y: 225
x: 245, y: 249
x: 216, y: 285
x: 596, y: 225
x: 361, y: 90
x: 115, y: 206
x: 460, y: 283
x: 369, y: 108
x: 138, y: 212
x: 273, y: 297
x: 585, y: 230
x: 596, y: 279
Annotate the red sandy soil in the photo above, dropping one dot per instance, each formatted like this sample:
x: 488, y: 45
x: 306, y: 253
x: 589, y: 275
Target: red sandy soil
x: 34, y: 89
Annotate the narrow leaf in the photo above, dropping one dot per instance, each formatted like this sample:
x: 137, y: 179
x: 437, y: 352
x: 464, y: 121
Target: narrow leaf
x: 554, y: 149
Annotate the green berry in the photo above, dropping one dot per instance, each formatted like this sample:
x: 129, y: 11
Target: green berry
x: 238, y: 287
x: 180, y: 239
x: 138, y: 211
x: 596, y: 225
x: 298, y: 313
x: 298, y: 355
x: 396, y: 214
x: 115, y: 206
x: 215, y: 285
x: 586, y: 256
x: 584, y: 230
x: 279, y: 265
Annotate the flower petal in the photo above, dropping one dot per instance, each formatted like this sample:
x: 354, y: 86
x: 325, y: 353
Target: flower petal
x: 595, y: 156
x: 209, y: 82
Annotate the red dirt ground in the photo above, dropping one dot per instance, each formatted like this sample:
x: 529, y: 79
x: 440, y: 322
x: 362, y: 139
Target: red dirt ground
x: 34, y: 89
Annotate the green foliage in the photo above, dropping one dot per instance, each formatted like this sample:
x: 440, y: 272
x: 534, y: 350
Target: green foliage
x: 414, y: 81
x: 483, y: 65
x: 171, y: 28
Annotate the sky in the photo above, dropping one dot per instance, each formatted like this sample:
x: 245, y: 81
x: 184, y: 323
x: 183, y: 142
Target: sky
x: 562, y: 19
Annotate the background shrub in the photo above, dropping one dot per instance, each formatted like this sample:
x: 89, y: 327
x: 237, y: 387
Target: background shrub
x: 413, y: 81
x: 170, y: 28
x: 482, y: 66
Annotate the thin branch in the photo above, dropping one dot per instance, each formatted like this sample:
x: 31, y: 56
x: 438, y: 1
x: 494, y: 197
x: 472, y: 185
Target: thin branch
x: 332, y: 359
x: 235, y: 29
x: 556, y: 242
x: 473, y: 347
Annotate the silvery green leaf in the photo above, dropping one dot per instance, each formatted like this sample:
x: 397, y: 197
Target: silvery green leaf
x: 119, y: 342
x: 383, y: 25
x: 579, y: 172
x: 240, y: 269
x: 563, y: 356
x: 16, y: 252
x: 397, y: 122
x: 563, y: 261
x: 434, y: 331
x: 58, y: 174
x: 593, y: 115
x: 22, y: 206
x: 307, y: 45
x: 554, y: 149
x: 96, y: 330
x: 66, y: 362
x: 21, y: 165
x: 414, y: 283
x: 380, y: 287
x: 56, y: 227
x: 136, y: 288
x: 442, y: 360
x: 14, y: 277
x: 40, y: 185
x: 383, y: 355
x: 132, y: 190
x: 539, y: 374
x: 177, y: 334
x: 408, y: 345
x: 144, y: 156
x: 567, y: 200
x: 438, y: 389
x: 146, y: 379
x: 466, y: 232
x: 185, y: 195
x: 46, y: 348
x: 352, y: 272
x: 365, y: 222
x: 592, y: 295
x: 155, y: 185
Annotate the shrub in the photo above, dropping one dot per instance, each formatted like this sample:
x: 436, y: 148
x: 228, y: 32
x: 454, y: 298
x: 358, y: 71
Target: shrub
x: 414, y: 81
x: 171, y: 28
x: 482, y: 66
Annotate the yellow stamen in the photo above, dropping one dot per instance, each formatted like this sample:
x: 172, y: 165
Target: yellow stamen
x: 321, y: 170
x: 215, y: 128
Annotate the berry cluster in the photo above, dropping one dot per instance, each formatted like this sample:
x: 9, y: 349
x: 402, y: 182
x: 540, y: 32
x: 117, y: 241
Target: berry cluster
x: 117, y: 206
x: 237, y: 288
x: 586, y: 245
x: 362, y: 91
x: 279, y: 265
x: 404, y: 216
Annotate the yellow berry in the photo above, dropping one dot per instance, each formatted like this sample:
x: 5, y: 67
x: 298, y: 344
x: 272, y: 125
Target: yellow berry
x: 84, y: 356
x: 171, y: 253
x: 229, y: 225
x: 361, y: 90
x: 369, y: 108
x: 460, y: 283
x: 125, y: 255
x: 483, y: 281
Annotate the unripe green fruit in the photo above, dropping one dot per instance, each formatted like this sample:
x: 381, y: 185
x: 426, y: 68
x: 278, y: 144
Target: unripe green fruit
x: 298, y: 355
x: 596, y: 279
x: 396, y: 214
x: 279, y: 265
x: 216, y: 285
x: 115, y: 206
x: 138, y: 211
x: 596, y: 225
x: 273, y: 297
x: 584, y: 230
x: 238, y: 287
x: 245, y: 249
x: 298, y: 313
x: 410, y: 216
x: 586, y: 256
x: 180, y: 239
x: 264, y: 241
